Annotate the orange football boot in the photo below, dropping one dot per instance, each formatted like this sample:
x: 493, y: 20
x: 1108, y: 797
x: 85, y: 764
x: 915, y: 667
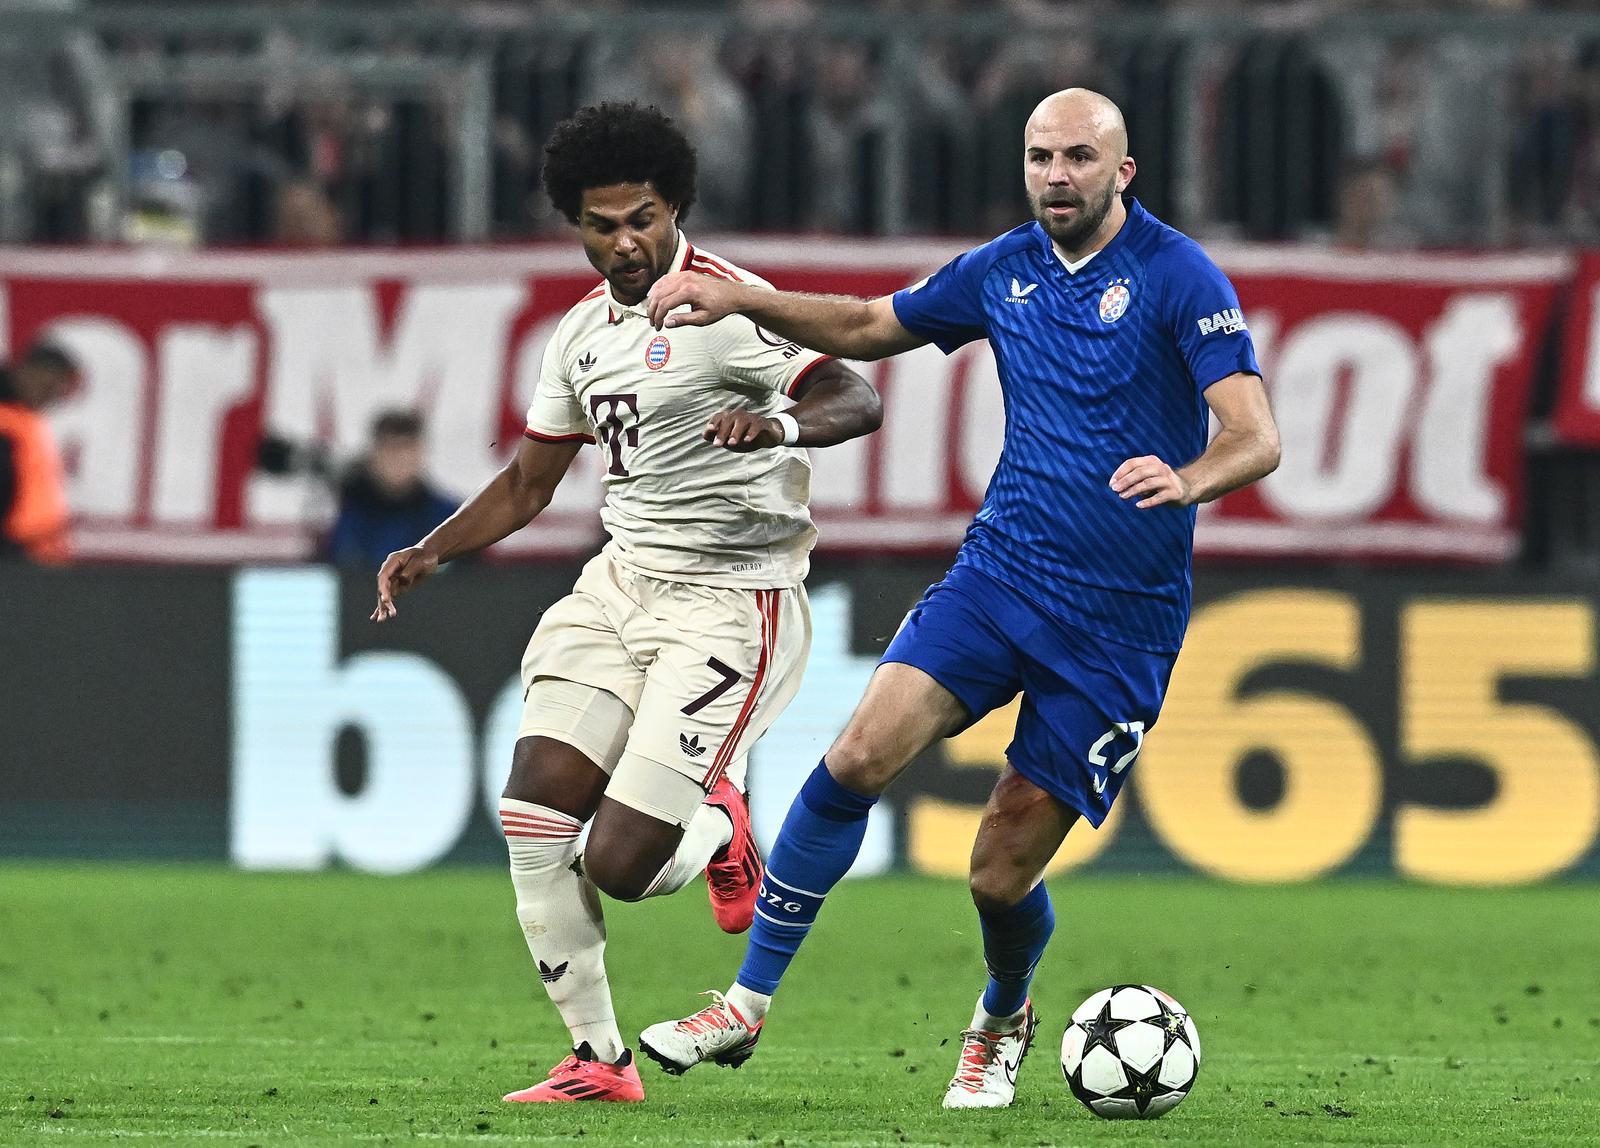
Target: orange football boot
x: 581, y: 1077
x: 734, y: 875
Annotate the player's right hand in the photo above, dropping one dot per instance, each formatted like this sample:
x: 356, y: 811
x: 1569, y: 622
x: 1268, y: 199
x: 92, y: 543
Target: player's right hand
x: 708, y: 300
x: 401, y: 571
x: 742, y: 431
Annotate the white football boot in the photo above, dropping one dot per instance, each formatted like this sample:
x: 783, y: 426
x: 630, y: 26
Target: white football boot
x: 716, y: 1033
x: 986, y: 1076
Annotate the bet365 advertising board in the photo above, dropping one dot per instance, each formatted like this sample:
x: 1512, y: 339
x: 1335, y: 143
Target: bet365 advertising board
x: 1444, y: 727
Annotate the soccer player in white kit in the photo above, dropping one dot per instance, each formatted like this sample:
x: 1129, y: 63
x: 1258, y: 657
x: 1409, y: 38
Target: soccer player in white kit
x: 686, y: 636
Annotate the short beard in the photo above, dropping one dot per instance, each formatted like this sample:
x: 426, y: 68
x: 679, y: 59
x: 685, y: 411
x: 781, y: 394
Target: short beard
x: 1069, y: 236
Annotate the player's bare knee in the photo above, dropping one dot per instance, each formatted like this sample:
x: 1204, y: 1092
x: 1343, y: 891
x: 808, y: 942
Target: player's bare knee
x: 551, y: 773
x: 627, y: 851
x: 621, y: 879
x: 625, y: 886
x: 860, y: 765
x: 998, y: 887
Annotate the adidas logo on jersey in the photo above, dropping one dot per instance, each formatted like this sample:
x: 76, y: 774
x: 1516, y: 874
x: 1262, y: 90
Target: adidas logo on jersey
x: 1229, y: 322
x: 586, y: 362
x: 1019, y: 293
x: 691, y: 745
x: 550, y: 976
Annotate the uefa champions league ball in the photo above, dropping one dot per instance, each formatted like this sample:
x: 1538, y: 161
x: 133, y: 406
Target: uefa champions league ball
x: 1130, y: 1053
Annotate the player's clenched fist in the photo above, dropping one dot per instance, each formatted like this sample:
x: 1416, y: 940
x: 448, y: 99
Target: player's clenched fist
x: 1152, y: 478
x: 741, y: 430
x: 708, y: 299
x: 401, y: 571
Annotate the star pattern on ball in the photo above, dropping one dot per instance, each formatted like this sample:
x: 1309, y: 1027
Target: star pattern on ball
x: 1102, y: 1030
x: 1171, y: 1023
x: 1133, y: 1090
x: 1143, y: 1087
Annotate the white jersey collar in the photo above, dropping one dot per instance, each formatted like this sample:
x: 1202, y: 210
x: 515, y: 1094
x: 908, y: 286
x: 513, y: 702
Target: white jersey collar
x: 1072, y: 267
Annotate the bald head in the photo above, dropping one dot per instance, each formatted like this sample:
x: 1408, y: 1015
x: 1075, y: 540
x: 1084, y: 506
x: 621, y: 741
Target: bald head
x: 1078, y: 113
x: 1075, y: 167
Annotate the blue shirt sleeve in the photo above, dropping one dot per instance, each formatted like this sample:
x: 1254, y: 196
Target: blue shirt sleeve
x: 1204, y: 318
x: 947, y: 307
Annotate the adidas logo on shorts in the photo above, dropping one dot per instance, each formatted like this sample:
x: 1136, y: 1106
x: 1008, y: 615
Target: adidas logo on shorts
x: 690, y: 745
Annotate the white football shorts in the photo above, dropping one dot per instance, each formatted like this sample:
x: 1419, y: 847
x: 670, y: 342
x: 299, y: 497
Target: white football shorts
x: 664, y: 685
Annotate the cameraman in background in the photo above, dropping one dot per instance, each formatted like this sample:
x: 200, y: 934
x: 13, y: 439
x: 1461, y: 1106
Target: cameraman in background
x: 385, y: 503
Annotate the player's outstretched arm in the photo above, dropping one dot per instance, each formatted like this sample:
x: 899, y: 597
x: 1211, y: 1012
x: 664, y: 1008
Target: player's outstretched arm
x: 502, y: 506
x: 832, y: 324
x: 1244, y: 449
x: 834, y: 404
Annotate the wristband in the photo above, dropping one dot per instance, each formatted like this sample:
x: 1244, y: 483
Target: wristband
x: 790, y: 425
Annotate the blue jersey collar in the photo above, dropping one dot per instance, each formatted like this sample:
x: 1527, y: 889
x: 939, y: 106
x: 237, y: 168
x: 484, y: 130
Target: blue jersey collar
x: 1136, y: 217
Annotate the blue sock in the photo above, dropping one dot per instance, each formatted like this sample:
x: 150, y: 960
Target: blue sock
x: 1013, y: 942
x: 815, y: 848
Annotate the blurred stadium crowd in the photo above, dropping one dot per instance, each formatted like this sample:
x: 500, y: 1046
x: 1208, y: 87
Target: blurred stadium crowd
x: 1353, y: 121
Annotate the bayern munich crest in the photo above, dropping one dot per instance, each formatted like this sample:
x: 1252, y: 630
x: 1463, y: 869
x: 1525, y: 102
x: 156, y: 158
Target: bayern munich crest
x: 1115, y: 302
x: 659, y: 350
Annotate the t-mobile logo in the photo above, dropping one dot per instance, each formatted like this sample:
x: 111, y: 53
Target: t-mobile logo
x: 616, y: 423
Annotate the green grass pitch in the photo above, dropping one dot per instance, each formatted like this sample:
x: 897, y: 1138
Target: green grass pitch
x: 200, y: 1006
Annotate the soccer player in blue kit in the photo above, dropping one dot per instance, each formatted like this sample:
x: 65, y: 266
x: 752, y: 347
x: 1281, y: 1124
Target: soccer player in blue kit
x: 1116, y: 338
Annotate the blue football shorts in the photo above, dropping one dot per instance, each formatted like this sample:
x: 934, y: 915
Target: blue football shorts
x: 1087, y: 701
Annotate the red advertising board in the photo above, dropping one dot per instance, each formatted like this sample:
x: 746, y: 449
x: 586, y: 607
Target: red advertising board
x: 1577, y: 413
x: 1400, y: 383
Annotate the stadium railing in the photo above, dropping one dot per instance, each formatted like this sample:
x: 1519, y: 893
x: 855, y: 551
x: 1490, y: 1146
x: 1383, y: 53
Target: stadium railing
x: 424, y: 123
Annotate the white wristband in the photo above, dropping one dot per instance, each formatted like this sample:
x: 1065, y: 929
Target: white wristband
x: 790, y: 425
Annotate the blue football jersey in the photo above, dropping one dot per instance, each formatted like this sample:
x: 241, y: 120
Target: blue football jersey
x: 1097, y: 366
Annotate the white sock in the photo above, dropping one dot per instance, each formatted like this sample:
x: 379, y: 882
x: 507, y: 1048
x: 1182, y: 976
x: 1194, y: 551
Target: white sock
x: 559, y: 911
x: 708, y: 830
x: 985, y: 1022
x: 750, y: 1004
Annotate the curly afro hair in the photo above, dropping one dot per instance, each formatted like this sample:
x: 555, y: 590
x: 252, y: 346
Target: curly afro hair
x: 606, y: 144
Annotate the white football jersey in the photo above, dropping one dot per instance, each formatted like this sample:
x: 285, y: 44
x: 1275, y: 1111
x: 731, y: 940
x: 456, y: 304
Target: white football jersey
x: 676, y: 506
